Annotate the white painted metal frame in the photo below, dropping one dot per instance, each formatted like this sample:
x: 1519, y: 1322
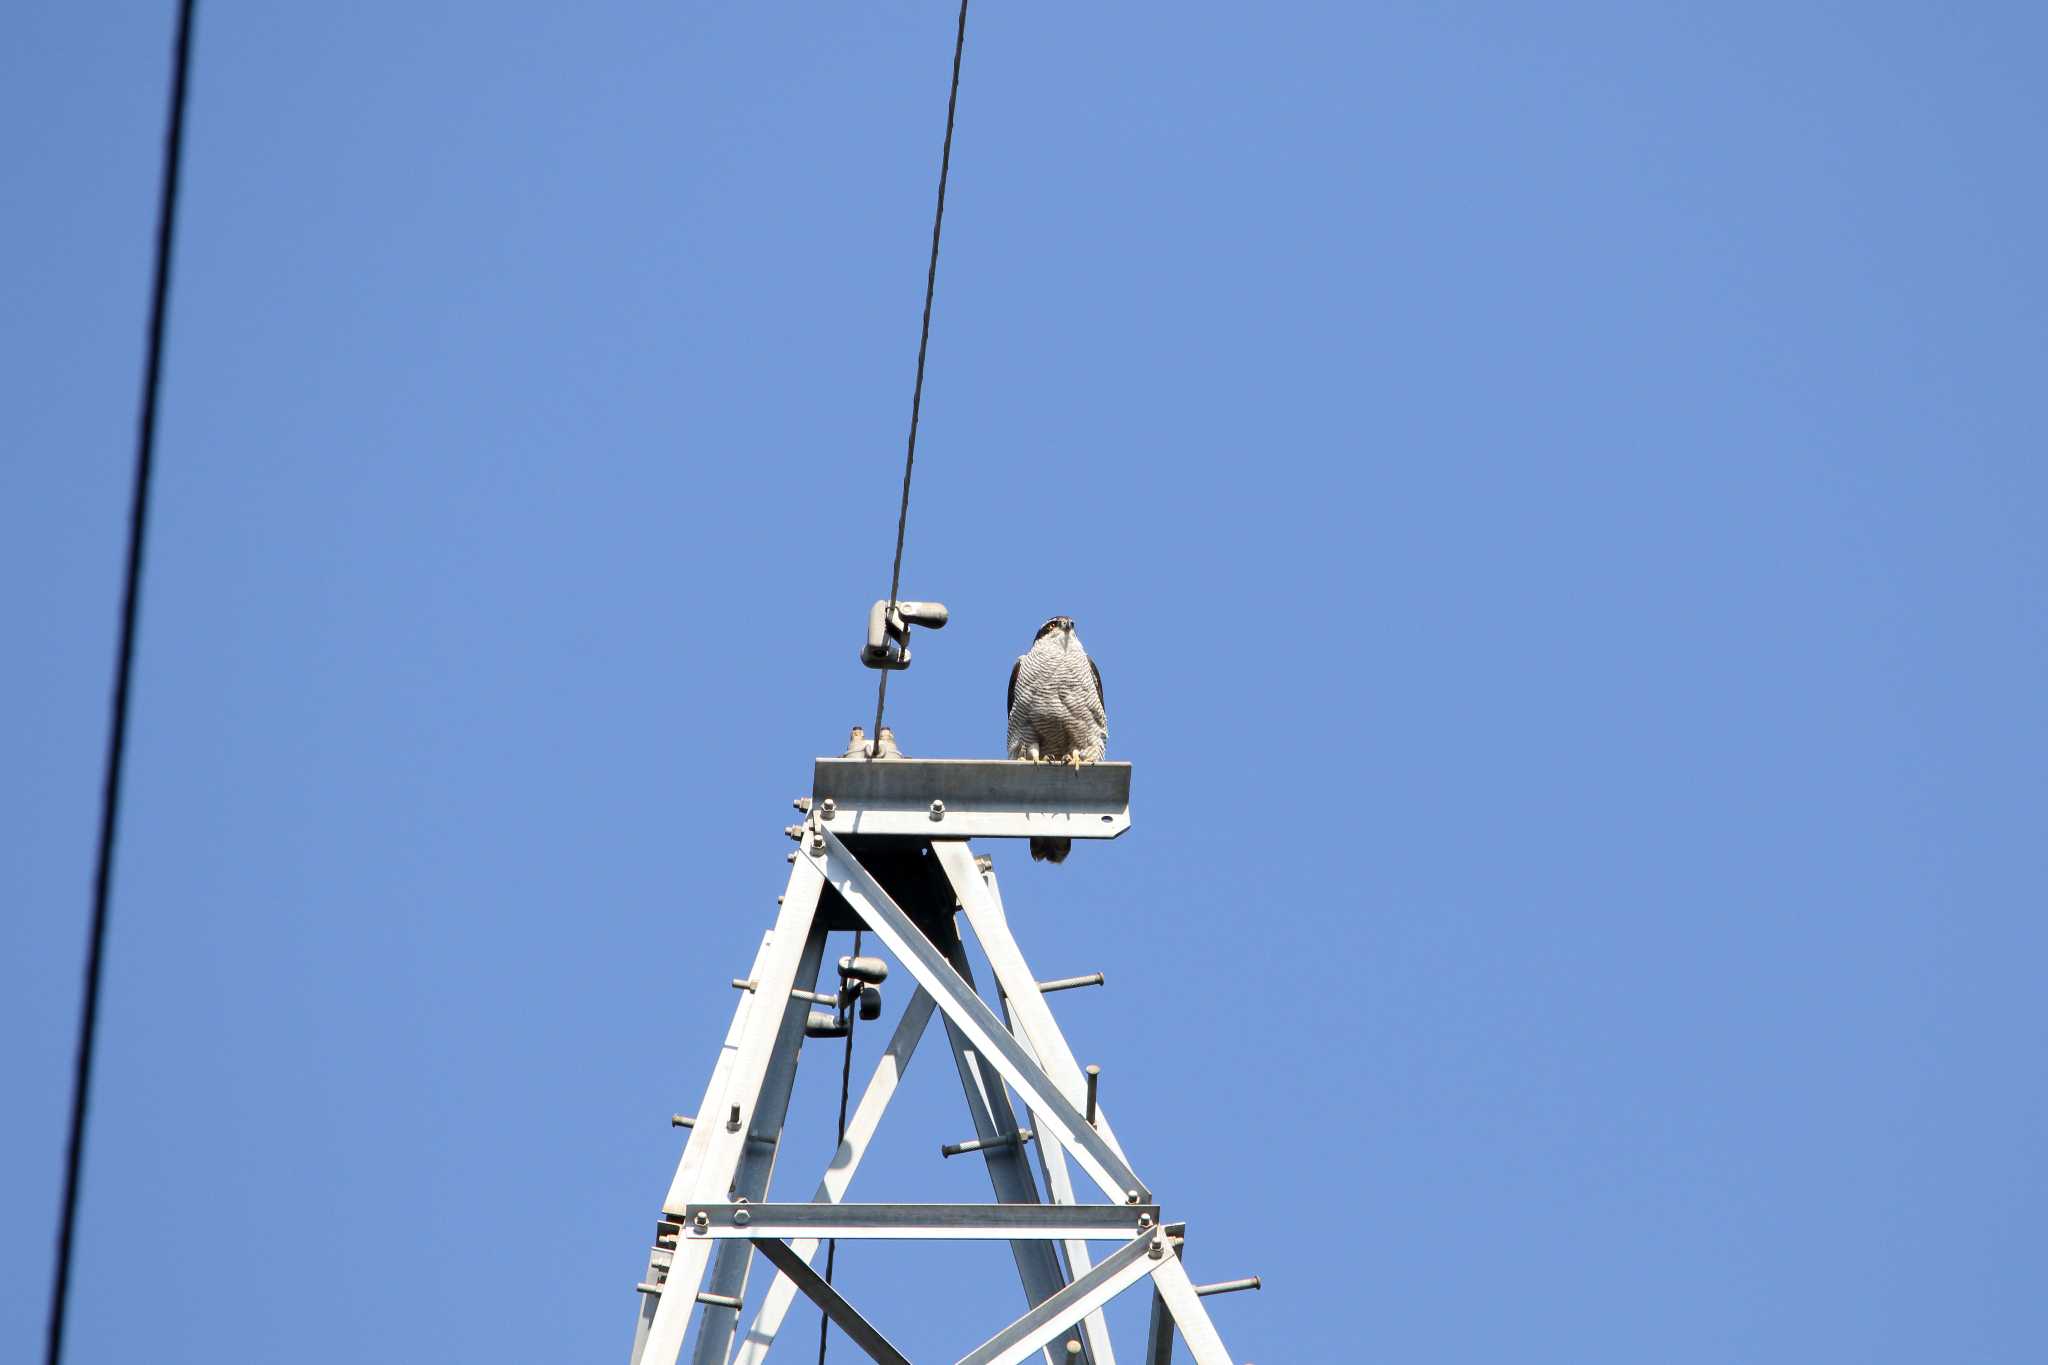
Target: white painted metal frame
x: 1104, y: 1164
x: 729, y: 1157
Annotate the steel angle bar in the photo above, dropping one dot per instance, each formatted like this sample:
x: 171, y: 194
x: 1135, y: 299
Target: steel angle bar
x: 1039, y: 1271
x: 935, y: 1222
x: 981, y: 898
x: 1059, y: 1183
x: 961, y: 798
x: 994, y: 1042
x: 723, y: 1130
x: 1118, y: 1271
x: 757, y: 1166
x: 1170, y: 1278
x: 699, y: 1141
x: 1159, y: 1331
x: 836, y: 1308
x: 860, y: 1131
x: 694, y: 1146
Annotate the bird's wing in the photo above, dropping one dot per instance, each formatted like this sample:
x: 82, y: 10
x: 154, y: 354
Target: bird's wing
x: 1011, y: 704
x: 1098, y: 684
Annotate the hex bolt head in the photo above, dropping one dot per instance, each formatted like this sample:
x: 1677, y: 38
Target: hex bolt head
x: 740, y: 1218
x: 803, y: 805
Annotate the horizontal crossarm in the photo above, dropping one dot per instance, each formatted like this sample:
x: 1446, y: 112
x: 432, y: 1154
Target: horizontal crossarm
x: 947, y: 1222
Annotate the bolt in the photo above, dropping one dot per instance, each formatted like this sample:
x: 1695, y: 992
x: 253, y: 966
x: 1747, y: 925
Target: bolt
x: 803, y: 805
x: 732, y: 1125
x: 793, y: 831
x: 789, y: 857
x: 1133, y: 1197
x: 985, y: 864
x: 1158, y: 1251
x: 740, y: 1218
x: 1144, y: 1221
x: 938, y: 810
x: 700, y: 1223
x: 829, y: 809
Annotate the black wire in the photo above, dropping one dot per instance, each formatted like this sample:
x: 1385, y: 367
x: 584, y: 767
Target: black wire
x: 117, y: 738
x: 845, y: 1085
x: 931, y: 279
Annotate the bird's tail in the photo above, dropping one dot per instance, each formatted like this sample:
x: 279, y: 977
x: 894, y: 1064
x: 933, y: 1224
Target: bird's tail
x: 1051, y: 850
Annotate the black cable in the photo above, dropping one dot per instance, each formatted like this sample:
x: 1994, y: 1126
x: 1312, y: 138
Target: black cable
x: 117, y: 738
x: 931, y: 279
x: 845, y: 1085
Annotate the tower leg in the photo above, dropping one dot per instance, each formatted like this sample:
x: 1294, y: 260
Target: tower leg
x: 693, y: 1151
x: 1032, y: 1022
x: 712, y: 1157
x: 1009, y: 1170
x: 757, y: 1164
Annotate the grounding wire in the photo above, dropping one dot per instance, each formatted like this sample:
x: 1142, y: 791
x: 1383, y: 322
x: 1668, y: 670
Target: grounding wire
x: 124, y: 671
x: 931, y: 279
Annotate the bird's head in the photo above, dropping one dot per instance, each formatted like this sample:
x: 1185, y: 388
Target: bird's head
x: 1060, y: 628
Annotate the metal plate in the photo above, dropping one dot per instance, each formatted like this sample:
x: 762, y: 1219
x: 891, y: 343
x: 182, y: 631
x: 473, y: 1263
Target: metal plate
x: 982, y: 798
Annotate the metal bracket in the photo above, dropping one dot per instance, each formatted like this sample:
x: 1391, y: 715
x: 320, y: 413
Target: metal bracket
x: 888, y: 644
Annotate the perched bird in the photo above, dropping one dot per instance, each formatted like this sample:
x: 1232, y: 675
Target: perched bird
x: 1056, y: 713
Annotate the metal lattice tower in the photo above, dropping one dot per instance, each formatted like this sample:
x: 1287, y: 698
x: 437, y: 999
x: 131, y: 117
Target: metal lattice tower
x: 884, y: 848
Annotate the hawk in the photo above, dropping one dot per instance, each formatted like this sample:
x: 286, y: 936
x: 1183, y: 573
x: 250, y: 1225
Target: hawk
x: 1056, y: 711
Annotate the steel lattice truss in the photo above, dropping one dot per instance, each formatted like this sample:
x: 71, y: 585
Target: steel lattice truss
x: 903, y: 872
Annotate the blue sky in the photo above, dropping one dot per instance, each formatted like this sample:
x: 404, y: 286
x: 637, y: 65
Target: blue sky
x: 1556, y: 495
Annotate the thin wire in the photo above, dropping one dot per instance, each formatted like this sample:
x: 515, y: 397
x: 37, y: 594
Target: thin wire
x: 931, y: 279
x: 117, y: 738
x: 845, y: 1085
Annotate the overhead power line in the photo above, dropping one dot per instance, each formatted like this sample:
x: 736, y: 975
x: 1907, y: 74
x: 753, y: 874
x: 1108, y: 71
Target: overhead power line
x: 124, y: 673
x: 924, y: 336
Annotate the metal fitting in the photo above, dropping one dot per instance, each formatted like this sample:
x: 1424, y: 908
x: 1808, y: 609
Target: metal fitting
x: 938, y: 810
x: 802, y: 804
x: 829, y: 809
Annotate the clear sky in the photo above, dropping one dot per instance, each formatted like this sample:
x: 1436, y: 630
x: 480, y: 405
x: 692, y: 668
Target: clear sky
x: 1556, y: 493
